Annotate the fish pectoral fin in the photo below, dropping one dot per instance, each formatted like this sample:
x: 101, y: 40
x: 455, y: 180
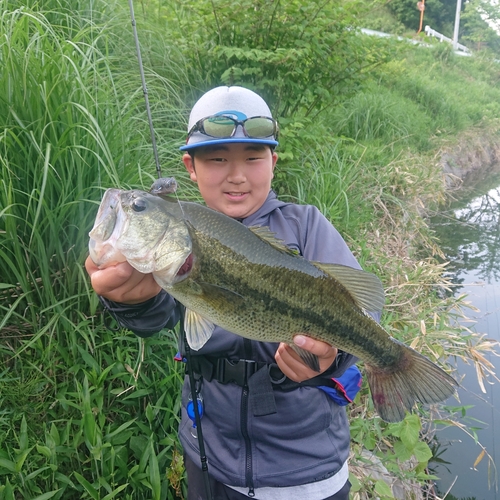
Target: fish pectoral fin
x: 310, y: 359
x: 365, y: 288
x: 265, y: 234
x: 198, y: 329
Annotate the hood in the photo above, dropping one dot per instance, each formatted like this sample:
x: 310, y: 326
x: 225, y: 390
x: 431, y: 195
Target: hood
x: 261, y: 216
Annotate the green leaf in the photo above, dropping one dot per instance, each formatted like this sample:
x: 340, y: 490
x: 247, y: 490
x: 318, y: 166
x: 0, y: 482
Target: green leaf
x: 154, y: 473
x: 88, y: 487
x: 54, y: 433
x: 8, y: 492
x: 383, y: 489
x: 149, y: 413
x: 422, y: 452
x: 355, y: 483
x: 7, y: 464
x: 90, y: 429
x: 118, y: 436
x: 23, y: 438
x: 115, y: 492
x: 410, y: 431
x: 47, y: 495
x: 36, y: 472
x: 44, y: 450
x: 21, y: 458
x: 401, y: 451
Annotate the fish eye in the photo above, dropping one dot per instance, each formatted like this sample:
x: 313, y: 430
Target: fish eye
x: 139, y: 205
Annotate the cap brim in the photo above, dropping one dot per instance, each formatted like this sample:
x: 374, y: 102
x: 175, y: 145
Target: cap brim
x: 214, y: 142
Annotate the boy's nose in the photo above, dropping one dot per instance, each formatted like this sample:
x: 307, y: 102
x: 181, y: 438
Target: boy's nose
x: 236, y: 174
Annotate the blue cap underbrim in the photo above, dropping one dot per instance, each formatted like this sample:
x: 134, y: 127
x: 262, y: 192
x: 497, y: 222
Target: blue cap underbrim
x: 268, y: 142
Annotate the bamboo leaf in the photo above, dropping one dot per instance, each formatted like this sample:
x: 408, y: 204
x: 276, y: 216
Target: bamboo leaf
x: 8, y: 464
x: 48, y: 495
x: 479, y: 458
x: 88, y: 487
x: 21, y: 458
x: 23, y: 437
x: 154, y: 473
x: 115, y: 492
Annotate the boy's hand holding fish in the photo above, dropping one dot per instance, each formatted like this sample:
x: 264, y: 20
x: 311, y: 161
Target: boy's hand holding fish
x: 294, y: 367
x: 122, y: 283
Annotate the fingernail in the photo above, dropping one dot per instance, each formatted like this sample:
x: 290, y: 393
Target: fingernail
x: 299, y: 340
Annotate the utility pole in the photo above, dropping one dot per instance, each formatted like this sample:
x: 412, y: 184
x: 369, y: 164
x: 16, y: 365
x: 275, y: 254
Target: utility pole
x: 457, y: 25
x: 421, y: 8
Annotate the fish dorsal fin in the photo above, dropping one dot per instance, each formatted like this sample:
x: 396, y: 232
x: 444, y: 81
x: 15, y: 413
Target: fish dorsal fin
x: 365, y: 288
x: 198, y: 329
x: 265, y: 234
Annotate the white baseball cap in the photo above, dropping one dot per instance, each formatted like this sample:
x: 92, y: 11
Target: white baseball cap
x: 226, y: 110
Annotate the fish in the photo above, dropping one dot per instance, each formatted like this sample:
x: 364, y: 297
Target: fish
x: 248, y: 282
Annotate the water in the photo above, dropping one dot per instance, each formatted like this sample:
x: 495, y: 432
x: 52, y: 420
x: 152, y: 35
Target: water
x: 470, y: 236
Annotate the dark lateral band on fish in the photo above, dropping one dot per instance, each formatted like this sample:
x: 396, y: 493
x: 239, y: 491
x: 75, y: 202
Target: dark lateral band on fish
x: 248, y: 282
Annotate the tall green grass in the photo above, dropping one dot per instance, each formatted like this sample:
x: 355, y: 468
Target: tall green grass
x: 85, y: 412
x: 377, y: 115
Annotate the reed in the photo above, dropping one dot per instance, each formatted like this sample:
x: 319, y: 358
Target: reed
x: 86, y: 412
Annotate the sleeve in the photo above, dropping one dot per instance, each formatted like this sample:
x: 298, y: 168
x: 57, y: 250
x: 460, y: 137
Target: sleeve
x: 146, y: 318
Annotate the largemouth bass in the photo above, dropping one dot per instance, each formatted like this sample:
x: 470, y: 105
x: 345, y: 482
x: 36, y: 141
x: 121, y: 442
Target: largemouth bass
x: 246, y: 281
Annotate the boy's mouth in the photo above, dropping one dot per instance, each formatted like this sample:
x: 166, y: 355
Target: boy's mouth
x: 236, y: 194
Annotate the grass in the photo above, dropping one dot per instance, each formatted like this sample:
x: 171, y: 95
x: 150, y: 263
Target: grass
x: 86, y: 411
x: 91, y: 412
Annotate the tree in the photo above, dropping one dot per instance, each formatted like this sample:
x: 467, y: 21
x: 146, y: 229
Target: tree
x: 298, y: 55
x: 477, y: 24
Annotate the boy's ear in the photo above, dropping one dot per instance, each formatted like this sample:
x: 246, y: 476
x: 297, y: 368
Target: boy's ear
x: 275, y: 158
x: 189, y: 164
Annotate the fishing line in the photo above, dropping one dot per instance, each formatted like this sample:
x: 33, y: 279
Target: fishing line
x: 203, y: 458
x: 145, y: 89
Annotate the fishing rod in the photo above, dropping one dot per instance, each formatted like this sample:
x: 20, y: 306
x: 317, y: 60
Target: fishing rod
x: 194, y: 396
x: 145, y: 89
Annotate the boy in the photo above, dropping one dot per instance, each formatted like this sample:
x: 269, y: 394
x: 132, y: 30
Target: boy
x: 297, y: 448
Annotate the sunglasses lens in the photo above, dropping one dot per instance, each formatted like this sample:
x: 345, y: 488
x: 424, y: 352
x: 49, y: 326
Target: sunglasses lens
x: 259, y: 127
x: 221, y: 126
x: 218, y: 126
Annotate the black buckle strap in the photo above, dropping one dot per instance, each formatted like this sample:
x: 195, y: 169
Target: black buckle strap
x: 238, y: 372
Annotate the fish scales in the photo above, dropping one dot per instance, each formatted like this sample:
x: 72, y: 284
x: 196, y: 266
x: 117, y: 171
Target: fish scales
x: 296, y: 299
x: 247, y: 282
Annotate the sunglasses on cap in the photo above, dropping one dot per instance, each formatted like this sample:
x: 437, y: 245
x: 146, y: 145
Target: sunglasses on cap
x: 220, y: 126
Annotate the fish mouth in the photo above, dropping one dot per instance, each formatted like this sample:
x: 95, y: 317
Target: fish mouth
x: 185, y: 268
x: 108, y: 224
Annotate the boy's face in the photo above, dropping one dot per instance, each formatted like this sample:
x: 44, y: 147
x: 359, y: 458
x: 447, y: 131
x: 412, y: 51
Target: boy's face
x: 233, y: 178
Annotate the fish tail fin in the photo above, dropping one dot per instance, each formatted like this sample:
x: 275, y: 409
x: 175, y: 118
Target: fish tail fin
x: 414, y: 379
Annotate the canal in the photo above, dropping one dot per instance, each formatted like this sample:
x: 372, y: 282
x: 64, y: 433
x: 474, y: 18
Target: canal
x: 469, y: 232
